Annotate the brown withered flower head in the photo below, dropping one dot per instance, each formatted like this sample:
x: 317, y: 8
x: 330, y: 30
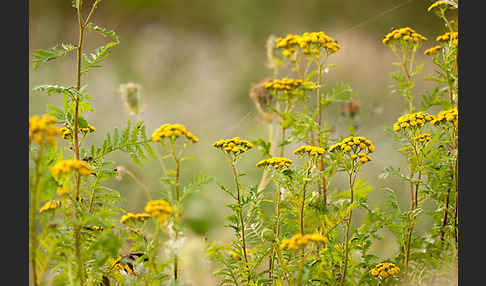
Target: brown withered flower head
x: 262, y: 98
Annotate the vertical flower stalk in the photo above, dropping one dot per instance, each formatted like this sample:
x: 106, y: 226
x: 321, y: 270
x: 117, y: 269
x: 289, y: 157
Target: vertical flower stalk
x: 410, y: 126
x: 171, y: 132
x: 312, y: 46
x: 279, y: 164
x: 233, y: 148
x: 354, y: 152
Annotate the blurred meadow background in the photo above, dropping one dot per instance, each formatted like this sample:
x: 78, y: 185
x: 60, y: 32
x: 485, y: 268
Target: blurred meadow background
x: 196, y: 61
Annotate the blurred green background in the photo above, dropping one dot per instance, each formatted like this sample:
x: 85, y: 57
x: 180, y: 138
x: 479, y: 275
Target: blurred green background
x: 196, y: 61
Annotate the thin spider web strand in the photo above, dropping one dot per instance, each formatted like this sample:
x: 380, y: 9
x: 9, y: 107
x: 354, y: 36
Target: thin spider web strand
x: 247, y: 116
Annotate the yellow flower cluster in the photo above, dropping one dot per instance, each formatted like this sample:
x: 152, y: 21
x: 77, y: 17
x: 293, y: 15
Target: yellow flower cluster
x: 66, y: 133
x: 449, y: 115
x: 234, y: 254
x: 406, y: 34
x: 384, y: 270
x: 66, y: 166
x: 288, y: 84
x: 310, y: 150
x: 134, y: 217
x: 423, y: 137
x: 88, y: 129
x: 299, y: 240
x: 176, y: 130
x: 432, y: 50
x: 160, y: 209
x: 412, y: 120
x: 363, y: 158
x: 361, y: 143
x: 43, y: 128
x: 278, y: 163
x: 50, y: 205
x: 437, y: 4
x: 234, y: 145
x: 309, y: 43
x: 445, y: 38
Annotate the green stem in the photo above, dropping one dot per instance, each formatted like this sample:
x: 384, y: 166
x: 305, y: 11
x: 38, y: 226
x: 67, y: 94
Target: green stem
x: 33, y: 212
x: 77, y: 234
x: 177, y: 187
x: 276, y: 231
x: 348, y: 224
x: 240, y: 214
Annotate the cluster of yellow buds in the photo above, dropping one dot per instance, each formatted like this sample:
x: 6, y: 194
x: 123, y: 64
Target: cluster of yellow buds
x: 412, y: 120
x: 309, y: 43
x: 449, y: 115
x: 286, y: 84
x: 88, y: 129
x: 406, y: 35
x: 384, y: 270
x: 66, y: 166
x: 309, y: 150
x: 50, y: 205
x: 449, y: 36
x: 278, y: 163
x: 363, y: 158
x: 234, y: 145
x: 134, y: 217
x: 423, y: 137
x: 432, y: 51
x: 436, y: 4
x: 356, y: 144
x: 43, y: 128
x: 234, y: 254
x: 66, y: 133
x: 173, y: 131
x: 299, y: 240
x: 160, y: 209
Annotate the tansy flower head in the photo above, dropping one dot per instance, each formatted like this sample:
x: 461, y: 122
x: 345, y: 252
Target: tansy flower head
x: 287, y: 84
x: 384, y: 270
x: 432, y: 51
x: 445, y: 116
x: 412, y: 121
x: 43, y: 129
x: 449, y: 36
x: 173, y: 131
x: 278, y: 163
x: 438, y: 4
x: 66, y: 133
x: 50, y: 205
x: 234, y: 254
x: 298, y: 240
x: 309, y: 43
x: 235, y: 145
x: 134, y: 217
x: 159, y: 209
x: 357, y: 147
x: 405, y: 35
x: 88, y: 129
x: 309, y: 150
x: 67, y: 166
x: 423, y: 138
